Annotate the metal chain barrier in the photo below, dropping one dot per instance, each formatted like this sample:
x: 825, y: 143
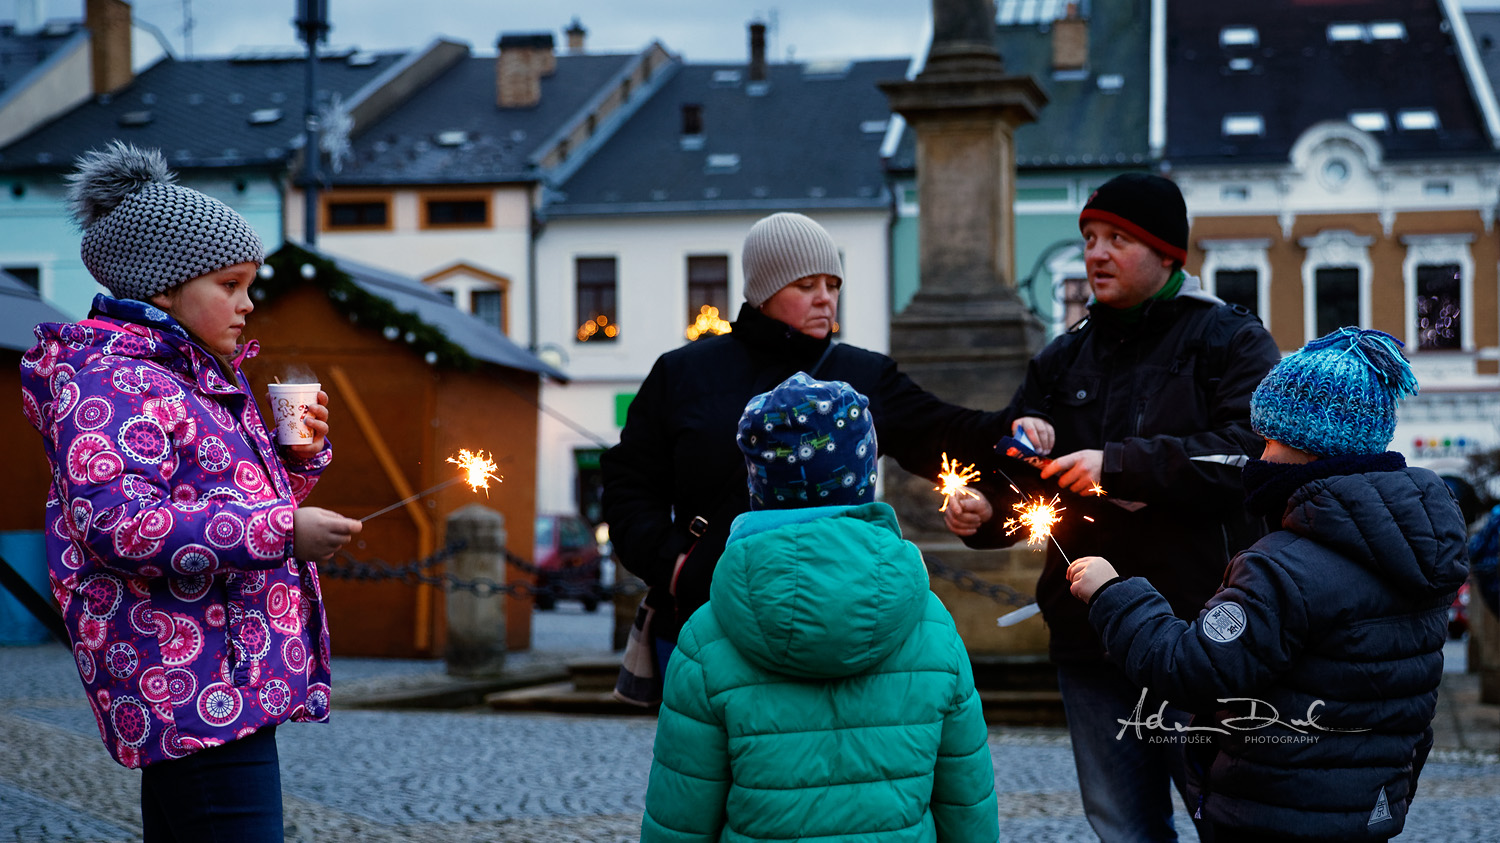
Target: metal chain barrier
x: 346, y: 567
x: 965, y: 580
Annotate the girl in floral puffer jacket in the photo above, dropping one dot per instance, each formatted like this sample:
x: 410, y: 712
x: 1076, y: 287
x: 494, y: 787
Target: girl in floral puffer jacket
x: 177, y: 549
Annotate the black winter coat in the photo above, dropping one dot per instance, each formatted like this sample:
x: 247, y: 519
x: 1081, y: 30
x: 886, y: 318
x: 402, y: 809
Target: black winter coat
x: 677, y: 457
x: 1339, y: 617
x: 1168, y: 402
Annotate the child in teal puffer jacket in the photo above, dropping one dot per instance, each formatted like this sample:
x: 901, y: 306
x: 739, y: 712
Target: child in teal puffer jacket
x: 823, y: 691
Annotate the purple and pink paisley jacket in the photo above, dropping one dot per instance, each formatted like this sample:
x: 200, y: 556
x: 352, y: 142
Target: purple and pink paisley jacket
x: 169, y: 537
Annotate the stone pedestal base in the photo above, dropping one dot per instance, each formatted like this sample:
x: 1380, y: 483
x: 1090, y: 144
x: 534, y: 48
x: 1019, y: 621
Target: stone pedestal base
x: 972, y: 350
x: 976, y: 614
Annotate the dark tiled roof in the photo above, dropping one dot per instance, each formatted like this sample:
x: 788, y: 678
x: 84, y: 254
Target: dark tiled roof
x: 21, y: 309
x: 403, y: 148
x: 20, y: 54
x: 1083, y: 124
x: 812, y: 140
x: 199, y: 112
x: 481, y: 341
x: 1296, y: 77
x: 1485, y: 27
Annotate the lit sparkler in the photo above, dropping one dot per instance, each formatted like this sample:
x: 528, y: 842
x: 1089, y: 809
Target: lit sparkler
x: 477, y: 470
x: 954, y: 480
x: 1038, y: 517
x: 1096, y: 489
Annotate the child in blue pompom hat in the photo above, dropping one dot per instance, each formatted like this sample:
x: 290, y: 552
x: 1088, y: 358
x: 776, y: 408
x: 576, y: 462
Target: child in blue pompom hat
x: 1313, y: 673
x: 823, y: 691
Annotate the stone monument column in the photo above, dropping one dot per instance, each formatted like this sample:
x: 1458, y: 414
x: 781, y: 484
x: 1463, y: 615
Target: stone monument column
x: 966, y: 336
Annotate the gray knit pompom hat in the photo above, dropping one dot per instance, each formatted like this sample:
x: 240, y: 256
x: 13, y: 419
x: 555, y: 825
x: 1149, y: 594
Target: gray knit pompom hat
x: 142, y: 234
x: 782, y: 248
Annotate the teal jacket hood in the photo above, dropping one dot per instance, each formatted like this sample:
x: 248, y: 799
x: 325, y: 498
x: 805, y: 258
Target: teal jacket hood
x: 822, y: 592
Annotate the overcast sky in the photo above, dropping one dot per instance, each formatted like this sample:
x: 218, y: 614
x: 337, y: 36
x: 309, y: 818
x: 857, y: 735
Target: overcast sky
x: 700, y: 30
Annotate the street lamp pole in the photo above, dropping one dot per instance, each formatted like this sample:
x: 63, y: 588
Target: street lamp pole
x: 312, y: 23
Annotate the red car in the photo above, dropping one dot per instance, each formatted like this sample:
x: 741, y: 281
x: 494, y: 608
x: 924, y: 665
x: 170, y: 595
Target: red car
x: 1458, y: 613
x: 567, y: 559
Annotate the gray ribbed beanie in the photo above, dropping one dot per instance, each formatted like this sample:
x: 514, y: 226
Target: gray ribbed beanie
x: 782, y: 248
x: 142, y: 234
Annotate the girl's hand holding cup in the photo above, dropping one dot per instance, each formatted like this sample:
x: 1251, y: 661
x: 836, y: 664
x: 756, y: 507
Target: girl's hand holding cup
x: 301, y: 418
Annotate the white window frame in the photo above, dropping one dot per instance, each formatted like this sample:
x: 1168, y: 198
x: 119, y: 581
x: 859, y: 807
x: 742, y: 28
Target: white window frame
x: 1436, y: 250
x: 1229, y: 255
x: 1334, y: 248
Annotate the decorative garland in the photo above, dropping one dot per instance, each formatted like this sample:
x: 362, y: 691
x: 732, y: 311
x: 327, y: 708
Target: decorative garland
x: 293, y: 266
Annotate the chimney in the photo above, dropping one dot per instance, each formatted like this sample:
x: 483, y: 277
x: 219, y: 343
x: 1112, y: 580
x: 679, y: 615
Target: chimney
x: 28, y: 17
x: 757, y: 52
x: 575, y: 33
x: 108, y: 22
x: 524, y: 59
x: 1070, y: 41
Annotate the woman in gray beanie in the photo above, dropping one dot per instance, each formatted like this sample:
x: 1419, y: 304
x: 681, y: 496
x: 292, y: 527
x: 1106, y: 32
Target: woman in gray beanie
x: 676, y: 480
x: 178, y: 548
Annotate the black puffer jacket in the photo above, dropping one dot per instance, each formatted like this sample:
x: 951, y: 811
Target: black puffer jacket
x: 1167, y: 400
x: 677, y: 457
x: 1339, y: 617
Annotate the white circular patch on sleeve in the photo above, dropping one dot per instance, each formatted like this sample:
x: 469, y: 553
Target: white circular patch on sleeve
x: 1224, y: 622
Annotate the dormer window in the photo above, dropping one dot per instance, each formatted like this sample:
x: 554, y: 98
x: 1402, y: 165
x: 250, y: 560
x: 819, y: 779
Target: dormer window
x: 1244, y: 125
x: 1417, y: 120
x: 1369, y: 121
x: 1239, y: 36
x: 1345, y: 32
x: 722, y: 163
x: 1388, y: 30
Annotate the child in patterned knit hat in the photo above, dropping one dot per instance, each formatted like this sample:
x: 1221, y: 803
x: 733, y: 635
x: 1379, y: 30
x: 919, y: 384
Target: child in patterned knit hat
x: 822, y: 691
x: 177, y: 546
x: 1315, y: 668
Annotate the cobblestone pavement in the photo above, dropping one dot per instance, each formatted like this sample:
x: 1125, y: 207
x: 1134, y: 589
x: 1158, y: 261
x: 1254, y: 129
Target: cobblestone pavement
x: 480, y: 776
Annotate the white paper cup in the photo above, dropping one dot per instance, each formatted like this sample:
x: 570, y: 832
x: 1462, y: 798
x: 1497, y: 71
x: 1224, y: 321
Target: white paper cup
x: 290, y: 407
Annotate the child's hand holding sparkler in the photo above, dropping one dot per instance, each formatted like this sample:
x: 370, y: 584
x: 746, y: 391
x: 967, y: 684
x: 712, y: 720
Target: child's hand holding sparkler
x: 318, y: 533
x: 1087, y: 574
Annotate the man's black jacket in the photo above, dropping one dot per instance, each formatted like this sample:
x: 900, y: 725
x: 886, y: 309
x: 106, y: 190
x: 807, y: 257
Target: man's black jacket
x: 1167, y: 399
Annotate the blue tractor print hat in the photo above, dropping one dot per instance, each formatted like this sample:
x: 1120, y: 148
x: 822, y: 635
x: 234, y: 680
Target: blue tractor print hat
x: 809, y: 443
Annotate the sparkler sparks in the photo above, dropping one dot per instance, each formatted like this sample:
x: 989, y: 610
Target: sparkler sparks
x: 478, y: 469
x: 1038, y: 517
x: 1096, y: 489
x: 954, y: 480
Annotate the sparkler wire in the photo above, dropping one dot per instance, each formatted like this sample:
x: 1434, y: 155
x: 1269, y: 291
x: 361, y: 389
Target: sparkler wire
x: 406, y: 500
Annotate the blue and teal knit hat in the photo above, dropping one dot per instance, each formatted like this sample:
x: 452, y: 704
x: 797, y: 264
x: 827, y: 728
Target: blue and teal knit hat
x: 1336, y: 396
x: 808, y: 443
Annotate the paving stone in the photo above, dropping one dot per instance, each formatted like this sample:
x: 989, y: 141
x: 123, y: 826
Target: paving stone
x: 466, y: 776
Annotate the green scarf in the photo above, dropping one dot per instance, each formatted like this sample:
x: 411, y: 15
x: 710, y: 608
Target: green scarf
x: 1132, y: 315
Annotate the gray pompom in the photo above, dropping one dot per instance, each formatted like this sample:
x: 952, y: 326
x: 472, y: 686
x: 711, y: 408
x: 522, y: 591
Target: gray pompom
x: 104, y: 178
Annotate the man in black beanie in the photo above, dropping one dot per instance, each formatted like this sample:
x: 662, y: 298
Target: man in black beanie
x: 1145, y: 405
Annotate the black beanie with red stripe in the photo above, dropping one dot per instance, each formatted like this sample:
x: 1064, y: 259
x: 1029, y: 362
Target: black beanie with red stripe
x: 1147, y: 206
